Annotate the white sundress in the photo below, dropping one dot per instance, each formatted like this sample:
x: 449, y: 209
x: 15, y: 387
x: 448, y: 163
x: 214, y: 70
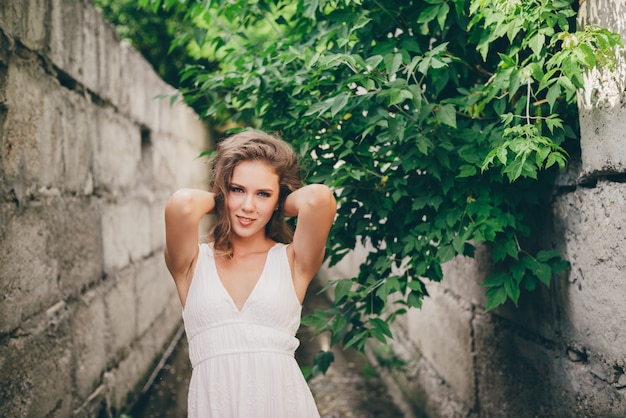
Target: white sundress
x: 243, y: 361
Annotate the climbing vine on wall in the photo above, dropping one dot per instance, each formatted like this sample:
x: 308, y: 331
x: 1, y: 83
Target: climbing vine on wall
x: 440, y: 124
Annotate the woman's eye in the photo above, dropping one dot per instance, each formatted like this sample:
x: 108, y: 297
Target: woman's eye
x: 236, y: 189
x: 264, y: 194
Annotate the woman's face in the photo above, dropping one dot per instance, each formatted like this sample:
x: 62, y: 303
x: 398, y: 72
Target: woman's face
x: 252, y: 198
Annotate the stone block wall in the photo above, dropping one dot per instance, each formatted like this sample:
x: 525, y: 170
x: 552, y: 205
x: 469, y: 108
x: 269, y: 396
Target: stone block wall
x: 562, y: 352
x: 88, y: 158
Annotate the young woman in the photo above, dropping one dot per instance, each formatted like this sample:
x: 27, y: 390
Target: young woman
x: 242, y: 292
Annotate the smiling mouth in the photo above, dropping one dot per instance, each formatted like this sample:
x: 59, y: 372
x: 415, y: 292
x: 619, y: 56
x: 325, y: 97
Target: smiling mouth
x: 245, y: 220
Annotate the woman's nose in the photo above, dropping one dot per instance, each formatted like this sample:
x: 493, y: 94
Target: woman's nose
x: 248, y: 203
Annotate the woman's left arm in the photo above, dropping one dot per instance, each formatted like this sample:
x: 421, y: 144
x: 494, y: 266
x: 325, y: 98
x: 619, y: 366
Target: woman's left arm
x: 315, y: 207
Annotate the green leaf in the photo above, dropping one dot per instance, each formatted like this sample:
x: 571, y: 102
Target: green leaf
x: 496, y: 296
x: 537, y: 43
x: 323, y: 360
x: 414, y: 300
x: 445, y: 253
x: 541, y: 270
x: 467, y: 170
x: 546, y: 255
x: 416, y: 285
x: 381, y: 326
x: 428, y: 14
x: 512, y: 289
x: 398, y: 96
x: 340, y: 323
x: 357, y: 341
x: 446, y: 114
x: 342, y: 288
x: 318, y: 108
x: 392, y: 63
x: 553, y: 94
x: 374, y: 60
x: 442, y: 14
x: 338, y: 103
x: 495, y: 280
x: 511, y: 248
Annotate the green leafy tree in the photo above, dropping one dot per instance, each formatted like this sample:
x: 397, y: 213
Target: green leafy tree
x: 440, y: 124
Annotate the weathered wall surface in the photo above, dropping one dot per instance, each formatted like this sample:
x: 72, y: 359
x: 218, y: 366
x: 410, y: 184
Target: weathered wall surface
x: 88, y: 158
x: 562, y: 353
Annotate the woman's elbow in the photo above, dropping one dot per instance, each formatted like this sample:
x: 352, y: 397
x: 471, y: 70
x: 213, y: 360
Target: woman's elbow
x: 180, y: 203
x: 322, y: 197
x: 182, y: 196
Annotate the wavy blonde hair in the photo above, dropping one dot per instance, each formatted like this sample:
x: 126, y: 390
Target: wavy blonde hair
x: 252, y: 145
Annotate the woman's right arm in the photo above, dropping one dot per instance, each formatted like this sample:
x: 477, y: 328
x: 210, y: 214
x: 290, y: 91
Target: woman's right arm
x: 183, y: 212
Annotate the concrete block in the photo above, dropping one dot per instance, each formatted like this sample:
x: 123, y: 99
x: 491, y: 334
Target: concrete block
x: 117, y: 152
x: 36, y: 367
x: 27, y: 157
x: 139, y: 87
x: 601, y: 110
x: 167, y: 116
x: 126, y: 88
x: 591, y: 225
x: 176, y: 164
x: 26, y: 20
x: 7, y: 49
x: 157, y: 223
x: 125, y: 381
x: 46, y: 133
x: 121, y: 311
x: 75, y: 242
x: 155, y: 293
x: 164, y: 165
x: 146, y: 106
x: 67, y: 38
x: 589, y: 387
x: 535, y: 312
x: 412, y: 381
x: 75, y: 121
x: 92, y: 19
x: 514, y: 374
x: 29, y: 274
x: 109, y: 67
x: 183, y: 123
x: 90, y: 349
x: 125, y: 233
x: 602, y: 141
x: 464, y: 276
x: 442, y: 332
x: 167, y: 169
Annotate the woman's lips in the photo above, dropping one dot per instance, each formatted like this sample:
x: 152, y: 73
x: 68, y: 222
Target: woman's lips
x: 245, y: 221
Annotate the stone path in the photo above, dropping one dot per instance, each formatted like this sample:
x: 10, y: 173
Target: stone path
x: 349, y: 389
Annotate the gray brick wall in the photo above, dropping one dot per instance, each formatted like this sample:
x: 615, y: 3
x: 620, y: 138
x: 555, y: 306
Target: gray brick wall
x: 88, y: 158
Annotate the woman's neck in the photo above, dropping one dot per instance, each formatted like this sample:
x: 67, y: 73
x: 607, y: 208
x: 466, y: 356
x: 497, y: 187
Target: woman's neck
x: 250, y: 245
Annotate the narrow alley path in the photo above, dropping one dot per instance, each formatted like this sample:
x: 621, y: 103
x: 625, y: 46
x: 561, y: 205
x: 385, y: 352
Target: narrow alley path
x: 349, y: 389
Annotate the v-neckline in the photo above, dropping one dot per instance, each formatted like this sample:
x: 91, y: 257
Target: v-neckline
x: 256, y: 284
